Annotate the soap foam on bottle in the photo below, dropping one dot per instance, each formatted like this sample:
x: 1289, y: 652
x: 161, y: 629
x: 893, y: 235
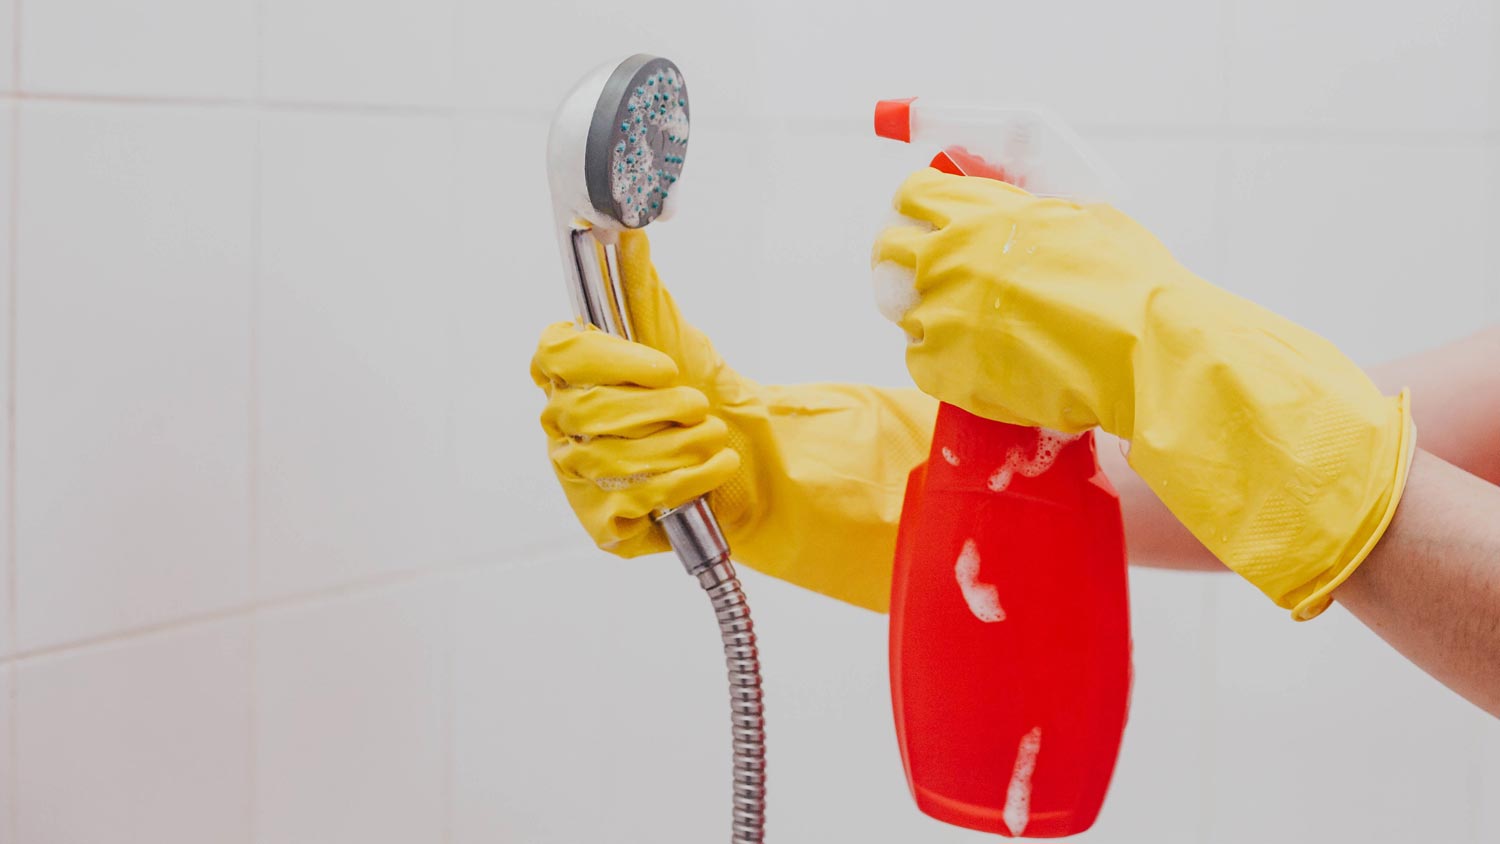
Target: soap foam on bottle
x: 1017, y: 812
x: 949, y: 456
x: 983, y: 598
x: 1049, y: 444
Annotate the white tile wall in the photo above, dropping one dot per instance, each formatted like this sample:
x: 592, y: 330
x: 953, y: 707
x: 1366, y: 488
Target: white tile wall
x: 499, y: 64
x: 384, y: 52
x: 191, y: 48
x: 7, y: 44
x: 1172, y: 185
x: 7, y: 756
x: 1161, y: 781
x: 542, y: 627
x: 1301, y: 219
x: 507, y: 286
x: 357, y: 241
x: 145, y: 740
x: 7, y: 112
x: 351, y: 719
x: 814, y: 257
x: 132, y: 367
x: 1487, y: 785
x: 282, y: 499
x: 1345, y: 723
x: 831, y: 61
x: 1394, y: 67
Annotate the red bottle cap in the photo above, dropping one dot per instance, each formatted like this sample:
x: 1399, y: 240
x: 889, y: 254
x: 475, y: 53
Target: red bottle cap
x: 893, y: 119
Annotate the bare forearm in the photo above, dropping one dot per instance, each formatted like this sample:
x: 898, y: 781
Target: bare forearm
x: 1455, y: 393
x: 1431, y: 588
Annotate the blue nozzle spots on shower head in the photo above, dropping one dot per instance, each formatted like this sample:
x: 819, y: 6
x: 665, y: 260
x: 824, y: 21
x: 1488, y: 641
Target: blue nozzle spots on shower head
x: 646, y: 98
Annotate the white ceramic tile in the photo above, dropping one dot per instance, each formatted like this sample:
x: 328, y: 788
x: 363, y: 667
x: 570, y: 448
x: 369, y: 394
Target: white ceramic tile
x: 1333, y: 237
x: 142, y: 740
x: 194, y: 48
x: 1159, y: 791
x: 624, y: 698
x: 508, y: 287
x: 535, y: 683
x: 359, y: 51
x: 1137, y: 64
x: 826, y: 195
x: 1487, y: 788
x: 7, y: 755
x: 132, y: 370
x: 1320, y: 723
x: 1381, y: 66
x: 529, y: 56
x: 7, y: 44
x: 350, y: 701
x: 356, y: 288
x: 6, y: 198
x: 1491, y: 278
x: 1171, y: 185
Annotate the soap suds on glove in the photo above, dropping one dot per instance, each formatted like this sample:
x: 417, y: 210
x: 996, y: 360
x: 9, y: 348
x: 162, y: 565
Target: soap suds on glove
x: 895, y: 289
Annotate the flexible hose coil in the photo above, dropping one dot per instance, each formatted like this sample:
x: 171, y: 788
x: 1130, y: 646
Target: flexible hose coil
x: 746, y: 707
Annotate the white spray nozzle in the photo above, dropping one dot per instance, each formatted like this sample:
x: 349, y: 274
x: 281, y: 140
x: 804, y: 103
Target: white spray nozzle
x: 1030, y: 148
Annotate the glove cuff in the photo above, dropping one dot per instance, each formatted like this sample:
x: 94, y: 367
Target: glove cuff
x: 1319, y: 593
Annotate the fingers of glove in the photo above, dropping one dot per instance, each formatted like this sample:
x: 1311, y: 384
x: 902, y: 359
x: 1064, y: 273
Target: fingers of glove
x: 900, y: 244
x: 638, y: 496
x: 666, y: 450
x: 937, y: 198
x: 1004, y: 377
x: 619, y: 536
x: 567, y: 356
x: 630, y: 412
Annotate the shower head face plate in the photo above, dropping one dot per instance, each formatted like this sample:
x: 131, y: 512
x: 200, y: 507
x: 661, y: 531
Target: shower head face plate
x: 637, y: 140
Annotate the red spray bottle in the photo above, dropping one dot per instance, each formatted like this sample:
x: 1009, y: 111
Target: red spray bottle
x: 1010, y: 631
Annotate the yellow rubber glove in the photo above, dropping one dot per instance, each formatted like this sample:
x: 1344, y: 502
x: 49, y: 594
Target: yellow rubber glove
x: 1264, y: 440
x: 806, y: 481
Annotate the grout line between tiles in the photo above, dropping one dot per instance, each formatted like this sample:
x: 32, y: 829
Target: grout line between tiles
x: 1223, y: 131
x: 257, y: 153
x: 537, y: 555
x: 259, y: 102
x: 11, y: 762
x: 446, y: 689
x: 8, y: 551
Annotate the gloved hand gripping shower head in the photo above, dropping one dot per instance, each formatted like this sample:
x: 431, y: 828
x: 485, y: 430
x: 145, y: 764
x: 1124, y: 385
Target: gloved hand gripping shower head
x: 614, y: 154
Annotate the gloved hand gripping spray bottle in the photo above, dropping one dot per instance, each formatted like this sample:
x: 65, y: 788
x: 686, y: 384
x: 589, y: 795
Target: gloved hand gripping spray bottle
x: 1009, y: 632
x: 615, y: 150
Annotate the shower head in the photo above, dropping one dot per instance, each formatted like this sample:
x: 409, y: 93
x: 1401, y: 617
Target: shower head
x: 614, y: 154
x: 617, y: 144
